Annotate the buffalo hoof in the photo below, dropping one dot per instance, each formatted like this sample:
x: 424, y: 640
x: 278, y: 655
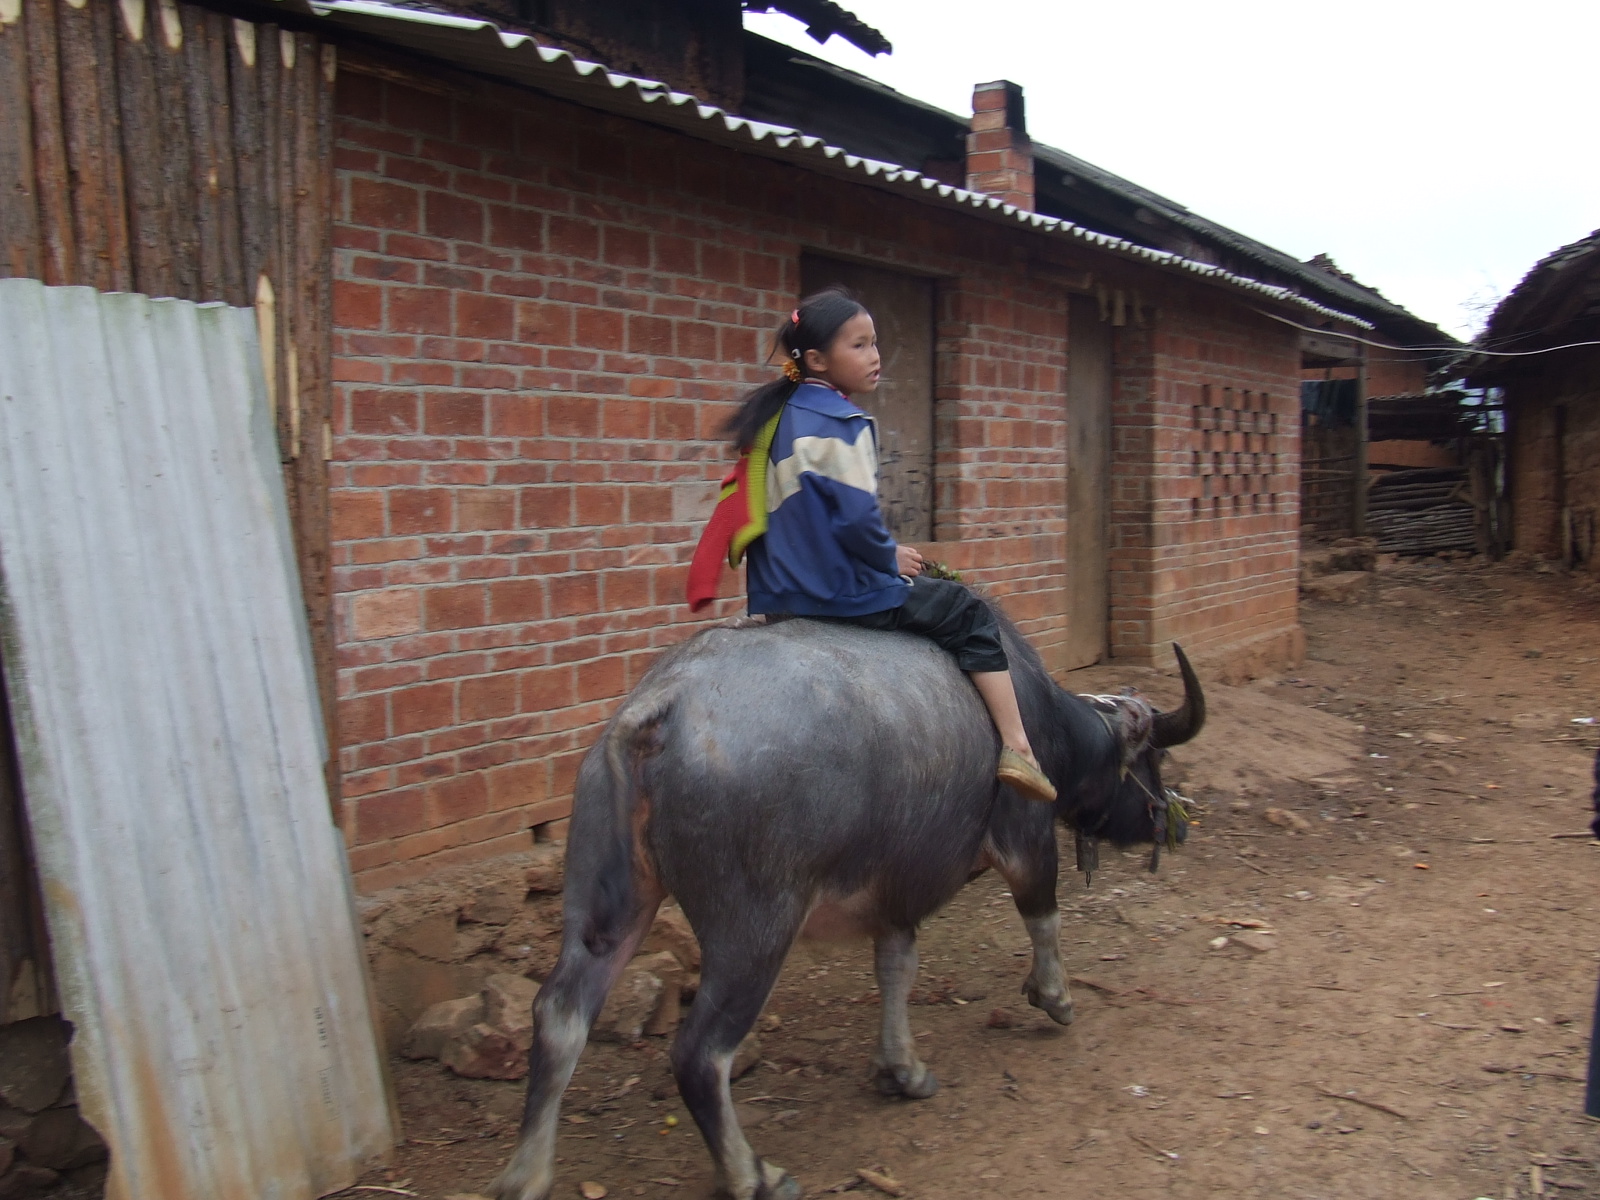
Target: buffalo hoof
x: 1057, y: 1008
x: 517, y: 1182
x: 771, y: 1183
x: 777, y: 1184
x: 914, y: 1083
x: 502, y: 1190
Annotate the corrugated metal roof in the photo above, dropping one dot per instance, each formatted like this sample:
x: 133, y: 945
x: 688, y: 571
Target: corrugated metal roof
x: 776, y: 90
x: 483, y: 46
x: 159, y: 671
x: 1345, y: 289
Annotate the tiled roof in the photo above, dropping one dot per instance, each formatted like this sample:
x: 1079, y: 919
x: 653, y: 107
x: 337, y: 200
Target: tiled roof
x: 482, y: 46
x: 869, y: 117
x: 1562, y: 288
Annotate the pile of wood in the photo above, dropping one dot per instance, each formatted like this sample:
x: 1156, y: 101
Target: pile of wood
x: 1422, y: 511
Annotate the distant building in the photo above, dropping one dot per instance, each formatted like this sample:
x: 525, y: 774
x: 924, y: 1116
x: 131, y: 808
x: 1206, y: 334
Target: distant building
x: 1552, y: 401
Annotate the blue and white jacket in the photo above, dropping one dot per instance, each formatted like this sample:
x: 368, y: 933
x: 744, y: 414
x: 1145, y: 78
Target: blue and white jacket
x: 826, y: 551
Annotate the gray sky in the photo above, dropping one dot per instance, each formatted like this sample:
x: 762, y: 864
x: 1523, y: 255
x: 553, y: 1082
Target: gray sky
x: 1435, y: 150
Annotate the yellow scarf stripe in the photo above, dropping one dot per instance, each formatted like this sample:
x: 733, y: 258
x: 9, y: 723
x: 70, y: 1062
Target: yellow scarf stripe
x: 756, y: 490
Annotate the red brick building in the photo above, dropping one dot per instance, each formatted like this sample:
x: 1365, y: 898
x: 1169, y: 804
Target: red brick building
x: 544, y: 306
x: 550, y: 281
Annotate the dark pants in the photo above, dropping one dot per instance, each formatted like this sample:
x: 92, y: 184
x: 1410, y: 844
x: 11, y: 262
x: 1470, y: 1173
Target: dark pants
x: 947, y: 613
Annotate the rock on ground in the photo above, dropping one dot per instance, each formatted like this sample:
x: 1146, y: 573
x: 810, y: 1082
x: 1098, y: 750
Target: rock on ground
x: 60, y: 1139
x: 497, y: 903
x: 547, y: 868
x: 1257, y: 941
x: 671, y: 931
x: 746, y: 1056
x: 26, y: 1178
x: 483, y: 1052
x: 665, y: 966
x: 33, y: 1062
x: 508, y: 1005
x: 1345, y: 555
x: 629, y: 1007
x: 1286, y: 819
x: 435, y: 1028
x: 486, y: 1036
x: 1343, y: 587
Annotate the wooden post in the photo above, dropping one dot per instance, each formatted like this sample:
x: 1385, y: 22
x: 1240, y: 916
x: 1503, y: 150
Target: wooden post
x: 59, y: 250
x: 222, y: 180
x: 179, y: 204
x: 249, y: 153
x: 139, y: 101
x: 1358, y: 497
x: 89, y: 120
x: 311, y: 389
x: 200, y: 94
x: 19, y: 206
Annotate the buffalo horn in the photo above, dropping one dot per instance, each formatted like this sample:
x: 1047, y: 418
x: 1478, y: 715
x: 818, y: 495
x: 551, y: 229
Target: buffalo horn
x: 1176, y: 727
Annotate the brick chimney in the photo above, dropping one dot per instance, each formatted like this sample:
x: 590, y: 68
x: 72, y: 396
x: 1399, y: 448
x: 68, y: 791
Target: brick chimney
x: 999, y: 154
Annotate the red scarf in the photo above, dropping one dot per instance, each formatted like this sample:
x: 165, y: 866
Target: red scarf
x: 739, y: 518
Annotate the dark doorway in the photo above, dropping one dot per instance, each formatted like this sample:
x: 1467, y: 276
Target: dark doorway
x: 902, y: 310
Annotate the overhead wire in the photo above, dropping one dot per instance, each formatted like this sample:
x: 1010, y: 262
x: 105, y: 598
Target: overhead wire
x: 1466, y: 349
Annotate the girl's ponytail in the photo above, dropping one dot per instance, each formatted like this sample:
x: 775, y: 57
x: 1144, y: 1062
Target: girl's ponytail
x: 759, y: 407
x: 811, y: 326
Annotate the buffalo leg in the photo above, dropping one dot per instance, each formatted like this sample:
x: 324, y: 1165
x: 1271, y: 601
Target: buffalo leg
x: 1046, y: 984
x: 563, y: 1014
x: 733, y: 988
x: 1035, y: 894
x: 897, y: 1070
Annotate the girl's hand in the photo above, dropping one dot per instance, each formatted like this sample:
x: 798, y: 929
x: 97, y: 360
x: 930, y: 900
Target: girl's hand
x: 908, y: 559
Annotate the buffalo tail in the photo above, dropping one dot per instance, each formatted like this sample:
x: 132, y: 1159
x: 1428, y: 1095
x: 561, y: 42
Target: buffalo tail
x: 616, y: 774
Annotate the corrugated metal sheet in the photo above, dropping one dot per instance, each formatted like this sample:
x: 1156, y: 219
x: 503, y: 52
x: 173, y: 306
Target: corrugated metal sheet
x: 483, y: 46
x: 158, y: 666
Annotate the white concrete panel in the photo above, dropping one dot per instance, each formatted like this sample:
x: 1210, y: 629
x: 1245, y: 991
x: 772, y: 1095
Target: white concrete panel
x: 159, y: 672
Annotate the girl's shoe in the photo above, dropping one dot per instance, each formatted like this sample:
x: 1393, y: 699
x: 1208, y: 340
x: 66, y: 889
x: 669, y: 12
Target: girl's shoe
x: 1024, y: 776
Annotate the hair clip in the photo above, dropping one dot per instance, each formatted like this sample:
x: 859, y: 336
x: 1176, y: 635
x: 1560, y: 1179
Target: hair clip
x: 794, y: 317
x: 791, y: 371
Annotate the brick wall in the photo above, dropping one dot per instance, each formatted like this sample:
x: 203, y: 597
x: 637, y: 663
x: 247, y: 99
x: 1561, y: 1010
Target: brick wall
x: 1205, y: 515
x: 1390, y: 371
x: 1547, y: 475
x: 1393, y: 372
x: 542, y: 316
x: 1000, y: 472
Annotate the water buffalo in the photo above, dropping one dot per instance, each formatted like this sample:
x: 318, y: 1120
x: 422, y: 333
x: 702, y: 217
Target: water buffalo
x: 806, y: 778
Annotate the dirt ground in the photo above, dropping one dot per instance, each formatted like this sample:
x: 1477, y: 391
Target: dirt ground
x: 1419, y: 1028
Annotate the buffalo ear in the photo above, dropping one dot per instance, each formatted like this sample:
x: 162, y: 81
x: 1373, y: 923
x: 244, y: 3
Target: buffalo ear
x: 1183, y: 723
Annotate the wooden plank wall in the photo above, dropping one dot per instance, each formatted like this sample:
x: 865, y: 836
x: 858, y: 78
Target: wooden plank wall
x: 1327, y: 477
x: 156, y: 147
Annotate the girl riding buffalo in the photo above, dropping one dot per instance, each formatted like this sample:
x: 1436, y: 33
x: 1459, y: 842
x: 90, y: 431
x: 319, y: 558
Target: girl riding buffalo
x: 803, y: 506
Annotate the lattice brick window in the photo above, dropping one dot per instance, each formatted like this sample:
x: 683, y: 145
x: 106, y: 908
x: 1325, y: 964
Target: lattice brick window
x: 1236, y: 453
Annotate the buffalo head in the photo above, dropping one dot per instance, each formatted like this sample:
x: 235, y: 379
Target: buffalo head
x: 1125, y: 801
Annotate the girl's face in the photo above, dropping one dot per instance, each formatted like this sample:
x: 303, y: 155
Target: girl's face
x: 850, y: 363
